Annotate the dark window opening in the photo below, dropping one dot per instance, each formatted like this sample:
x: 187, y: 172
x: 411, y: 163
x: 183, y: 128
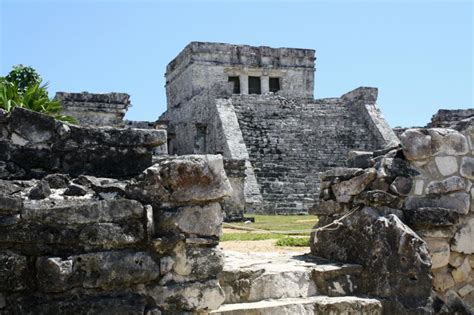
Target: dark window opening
x: 254, y: 85
x: 235, y: 84
x: 200, y: 140
x: 274, y: 85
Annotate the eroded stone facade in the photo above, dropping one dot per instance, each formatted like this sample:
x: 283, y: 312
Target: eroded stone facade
x: 284, y: 135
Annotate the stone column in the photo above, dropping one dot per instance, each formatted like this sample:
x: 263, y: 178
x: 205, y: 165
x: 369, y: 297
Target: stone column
x: 265, y: 84
x: 244, y: 84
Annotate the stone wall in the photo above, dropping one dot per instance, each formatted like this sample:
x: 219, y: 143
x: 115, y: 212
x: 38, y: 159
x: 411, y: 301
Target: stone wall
x: 66, y: 148
x: 416, y: 219
x: 81, y: 244
x: 94, y: 109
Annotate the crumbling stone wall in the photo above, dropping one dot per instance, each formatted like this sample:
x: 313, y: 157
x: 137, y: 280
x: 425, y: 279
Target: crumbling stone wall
x: 81, y: 244
x: 94, y: 109
x: 446, y: 118
x: 414, y: 230
x: 33, y: 145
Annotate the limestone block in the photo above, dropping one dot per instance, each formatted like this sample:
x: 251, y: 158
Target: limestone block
x: 10, y: 204
x: 416, y: 144
x: 456, y: 201
x: 448, y: 141
x: 111, y: 235
x: 447, y: 165
x: 81, y: 212
x: 456, y: 259
x: 463, y: 239
x: 194, y: 296
x: 442, y: 281
x: 450, y: 184
x: 14, y: 272
x: 431, y: 217
x: 31, y: 126
x: 96, y: 270
x: 40, y: 191
x: 346, y: 189
x: 360, y: 159
x: 378, y: 198
x: 439, y: 252
x: 184, y: 179
x: 401, y: 185
x: 467, y: 167
x: 418, y: 188
x: 465, y: 290
x: 196, y: 263
x: 203, y: 220
x: 326, y: 207
x: 461, y: 274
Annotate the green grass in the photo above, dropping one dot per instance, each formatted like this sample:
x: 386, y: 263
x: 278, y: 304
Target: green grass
x: 275, y: 223
x: 293, y: 241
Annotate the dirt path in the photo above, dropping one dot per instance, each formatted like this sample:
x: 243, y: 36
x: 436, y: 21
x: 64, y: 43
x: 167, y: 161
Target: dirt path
x: 259, y: 246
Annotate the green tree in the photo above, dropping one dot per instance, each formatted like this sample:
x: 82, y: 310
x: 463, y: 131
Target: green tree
x: 22, y: 87
x: 23, y: 77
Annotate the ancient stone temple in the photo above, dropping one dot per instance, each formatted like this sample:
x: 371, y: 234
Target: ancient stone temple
x: 255, y: 104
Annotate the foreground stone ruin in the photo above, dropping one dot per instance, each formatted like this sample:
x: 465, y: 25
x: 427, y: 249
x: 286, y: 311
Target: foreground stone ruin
x: 413, y: 230
x: 122, y: 244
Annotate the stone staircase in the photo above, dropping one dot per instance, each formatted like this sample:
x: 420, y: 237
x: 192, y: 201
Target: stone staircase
x: 276, y: 283
x: 289, y: 142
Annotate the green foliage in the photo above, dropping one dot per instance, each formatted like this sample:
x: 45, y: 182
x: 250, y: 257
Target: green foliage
x: 23, y: 77
x: 281, y: 222
x: 249, y: 236
x: 293, y: 241
x: 22, y: 87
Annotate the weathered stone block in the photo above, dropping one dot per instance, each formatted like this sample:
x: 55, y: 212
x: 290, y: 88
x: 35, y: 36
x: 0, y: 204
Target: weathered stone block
x: 442, y: 281
x: 447, y: 165
x: 396, y: 265
x: 10, y: 204
x: 401, y: 185
x: 456, y: 259
x: 461, y: 274
x: 457, y: 202
x: 360, y: 159
x: 194, y: 263
x: 439, y: 252
x: 453, y: 183
x: 184, y: 179
x: 448, y: 141
x: 378, y: 198
x: 194, y: 296
x: 431, y: 217
x: 14, y: 272
x: 467, y: 167
x: 200, y: 220
x: 416, y: 144
x: 345, y: 190
x: 465, y: 290
x: 326, y: 207
x: 82, y: 212
x: 463, y: 240
x: 96, y: 270
x: 341, y: 172
x: 31, y: 126
x: 40, y: 191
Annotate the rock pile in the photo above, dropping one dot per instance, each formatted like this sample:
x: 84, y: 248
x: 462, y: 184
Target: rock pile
x: 415, y: 227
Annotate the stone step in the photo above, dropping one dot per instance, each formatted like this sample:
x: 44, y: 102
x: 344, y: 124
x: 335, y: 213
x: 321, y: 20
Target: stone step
x: 321, y: 305
x: 260, y: 276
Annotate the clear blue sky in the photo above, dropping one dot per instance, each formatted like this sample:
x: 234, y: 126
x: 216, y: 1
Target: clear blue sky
x: 418, y: 53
